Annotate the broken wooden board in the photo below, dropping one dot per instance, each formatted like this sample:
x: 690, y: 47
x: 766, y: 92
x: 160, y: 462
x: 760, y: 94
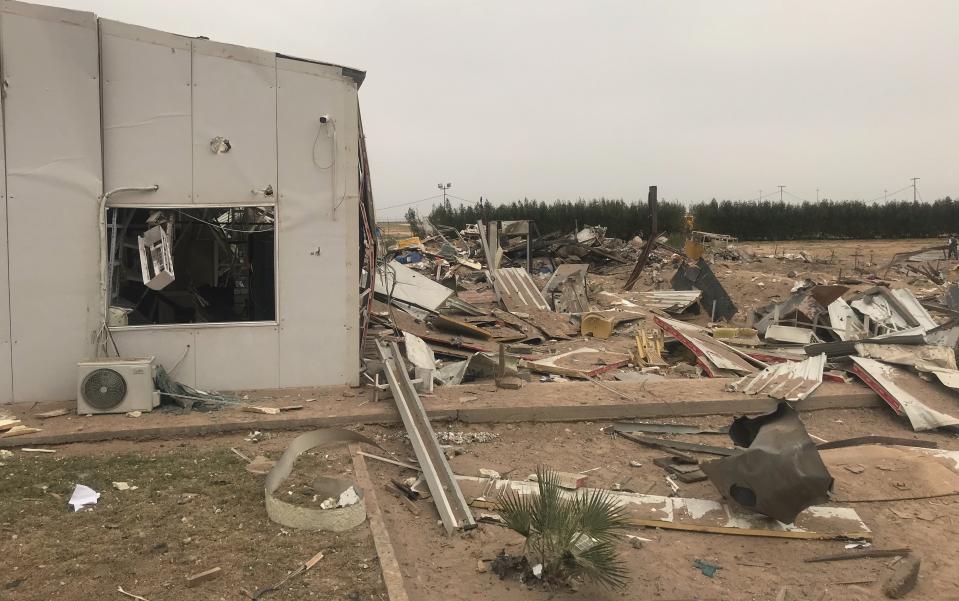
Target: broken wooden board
x: 885, y: 473
x: 19, y: 431
x: 579, y: 363
x: 531, y: 333
x: 50, y: 414
x: 717, y: 359
x: 407, y: 323
x: 451, y: 324
x: 8, y: 423
x: 700, y: 515
x: 554, y: 325
x: 927, y: 405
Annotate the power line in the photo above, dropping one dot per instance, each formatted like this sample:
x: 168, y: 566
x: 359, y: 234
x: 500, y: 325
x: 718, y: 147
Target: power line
x: 884, y: 194
x: 404, y: 204
x: 797, y: 197
x: 463, y: 199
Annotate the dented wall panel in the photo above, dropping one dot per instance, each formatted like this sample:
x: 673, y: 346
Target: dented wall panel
x: 147, y: 123
x: 234, y: 99
x: 52, y: 134
x: 163, y: 98
x: 318, y: 246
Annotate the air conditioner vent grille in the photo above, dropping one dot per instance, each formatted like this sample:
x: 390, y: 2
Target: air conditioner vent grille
x: 104, y: 388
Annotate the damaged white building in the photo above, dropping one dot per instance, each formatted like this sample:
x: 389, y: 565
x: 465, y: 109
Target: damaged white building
x: 169, y: 196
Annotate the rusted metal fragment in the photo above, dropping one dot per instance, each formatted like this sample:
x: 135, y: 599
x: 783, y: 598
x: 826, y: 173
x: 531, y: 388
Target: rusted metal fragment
x: 701, y: 277
x: 567, y: 288
x: 780, y: 473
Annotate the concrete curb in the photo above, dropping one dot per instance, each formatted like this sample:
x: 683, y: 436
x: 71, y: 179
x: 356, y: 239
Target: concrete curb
x: 444, y: 411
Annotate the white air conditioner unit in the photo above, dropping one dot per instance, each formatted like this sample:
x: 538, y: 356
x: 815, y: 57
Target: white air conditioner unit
x: 113, y: 385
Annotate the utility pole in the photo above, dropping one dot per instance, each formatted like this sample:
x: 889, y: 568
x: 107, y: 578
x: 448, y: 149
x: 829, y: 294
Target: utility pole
x: 885, y: 196
x: 914, y: 180
x: 444, y: 188
x: 781, y: 193
x: 817, y: 195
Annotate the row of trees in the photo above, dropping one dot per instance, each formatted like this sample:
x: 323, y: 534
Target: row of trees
x: 764, y: 220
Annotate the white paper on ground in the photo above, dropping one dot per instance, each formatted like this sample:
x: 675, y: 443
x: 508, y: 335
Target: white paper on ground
x: 82, y: 496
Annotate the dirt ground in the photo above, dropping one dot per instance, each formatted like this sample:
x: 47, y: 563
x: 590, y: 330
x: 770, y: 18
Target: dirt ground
x: 196, y: 507
x: 751, y: 568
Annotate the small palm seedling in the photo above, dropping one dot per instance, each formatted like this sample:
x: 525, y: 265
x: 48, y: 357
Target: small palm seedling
x: 568, y: 534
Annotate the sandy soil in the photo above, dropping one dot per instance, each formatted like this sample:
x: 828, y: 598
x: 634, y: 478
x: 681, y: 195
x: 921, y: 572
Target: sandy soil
x: 437, y: 567
x: 196, y: 507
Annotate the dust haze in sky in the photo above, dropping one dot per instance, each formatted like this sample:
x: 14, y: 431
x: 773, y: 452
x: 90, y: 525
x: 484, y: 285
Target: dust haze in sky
x: 560, y: 99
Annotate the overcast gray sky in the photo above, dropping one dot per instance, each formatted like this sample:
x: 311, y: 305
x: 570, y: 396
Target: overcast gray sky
x: 559, y: 99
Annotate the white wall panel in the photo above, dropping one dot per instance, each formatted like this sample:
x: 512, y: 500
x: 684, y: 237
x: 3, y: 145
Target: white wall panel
x: 318, y: 250
x: 234, y: 97
x: 237, y: 357
x: 6, y: 368
x: 169, y: 345
x: 52, y: 130
x: 147, y: 123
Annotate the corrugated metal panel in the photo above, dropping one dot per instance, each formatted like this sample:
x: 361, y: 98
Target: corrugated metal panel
x: 517, y: 290
x: 52, y: 130
x: 667, y: 300
x: 147, y: 123
x: 318, y: 291
x: 234, y: 97
x: 789, y: 381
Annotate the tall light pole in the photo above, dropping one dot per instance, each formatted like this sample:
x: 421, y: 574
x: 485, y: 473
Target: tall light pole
x: 444, y: 188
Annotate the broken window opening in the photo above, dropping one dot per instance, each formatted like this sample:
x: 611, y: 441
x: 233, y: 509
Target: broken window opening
x: 197, y: 265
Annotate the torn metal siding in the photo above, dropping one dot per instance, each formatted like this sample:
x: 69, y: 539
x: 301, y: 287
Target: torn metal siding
x: 908, y: 394
x: 789, y: 381
x: 717, y: 359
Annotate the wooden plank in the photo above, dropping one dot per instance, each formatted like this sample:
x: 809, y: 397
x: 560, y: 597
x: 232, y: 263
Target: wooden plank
x: 198, y: 579
x: 699, y: 515
x: 389, y: 566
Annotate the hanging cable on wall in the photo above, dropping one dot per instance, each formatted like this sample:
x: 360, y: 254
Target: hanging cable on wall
x: 327, y: 123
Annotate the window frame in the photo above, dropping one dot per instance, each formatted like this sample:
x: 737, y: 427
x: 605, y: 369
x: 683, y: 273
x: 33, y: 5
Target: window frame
x: 274, y: 323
